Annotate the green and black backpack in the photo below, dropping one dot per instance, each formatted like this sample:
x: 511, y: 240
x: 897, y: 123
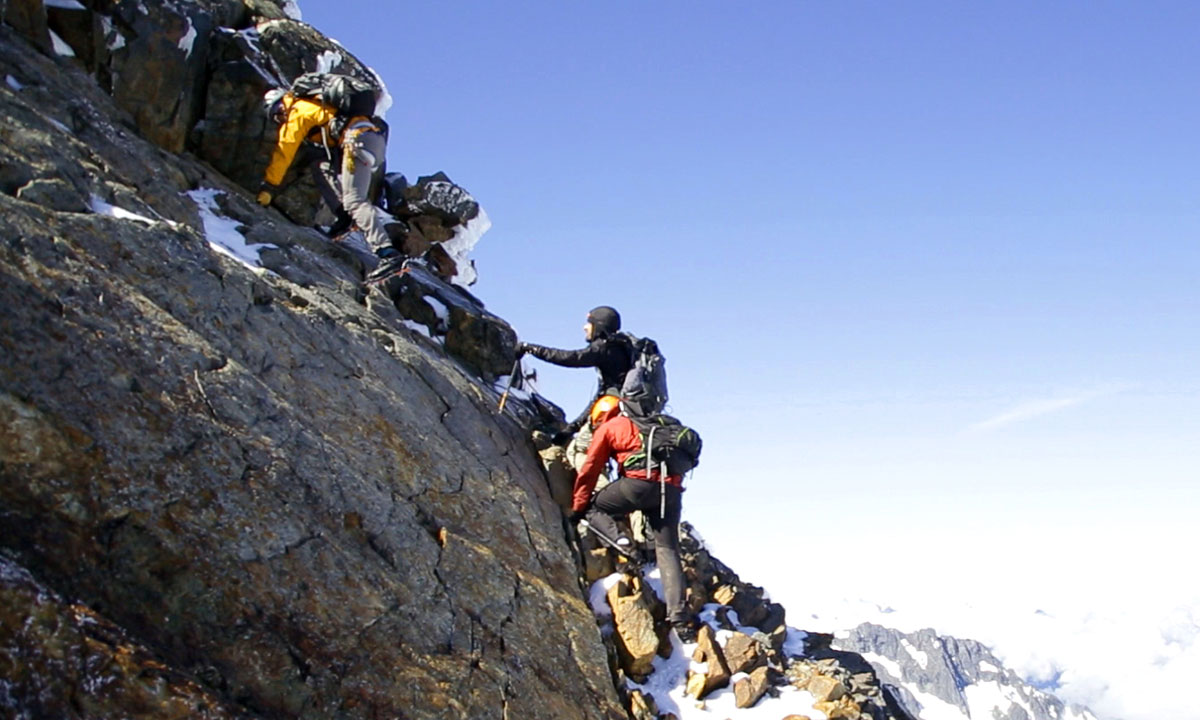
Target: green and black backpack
x: 665, y: 442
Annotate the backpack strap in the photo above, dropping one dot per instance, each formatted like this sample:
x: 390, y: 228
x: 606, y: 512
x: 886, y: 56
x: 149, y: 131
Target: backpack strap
x: 662, y: 474
x: 649, y: 449
x: 325, y: 142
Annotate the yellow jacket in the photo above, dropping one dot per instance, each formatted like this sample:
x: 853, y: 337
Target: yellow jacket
x: 304, y: 118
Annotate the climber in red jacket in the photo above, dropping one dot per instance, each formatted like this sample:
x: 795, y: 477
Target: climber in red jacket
x: 617, y: 437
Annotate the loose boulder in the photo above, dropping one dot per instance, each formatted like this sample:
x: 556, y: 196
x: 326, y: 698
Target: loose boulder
x: 743, y: 653
x: 717, y: 674
x: 750, y: 689
x: 637, y: 640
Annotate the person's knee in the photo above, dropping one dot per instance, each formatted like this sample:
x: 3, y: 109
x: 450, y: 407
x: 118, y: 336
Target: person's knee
x: 354, y: 203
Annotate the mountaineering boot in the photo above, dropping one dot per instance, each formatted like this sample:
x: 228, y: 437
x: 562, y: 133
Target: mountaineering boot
x: 687, y: 630
x: 391, y: 263
x: 629, y: 548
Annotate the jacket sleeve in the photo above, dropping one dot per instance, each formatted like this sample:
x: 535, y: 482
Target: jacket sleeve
x: 302, y: 118
x: 589, y: 472
x: 589, y: 356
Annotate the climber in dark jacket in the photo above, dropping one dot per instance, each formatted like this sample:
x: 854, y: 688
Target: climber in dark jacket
x: 608, y: 351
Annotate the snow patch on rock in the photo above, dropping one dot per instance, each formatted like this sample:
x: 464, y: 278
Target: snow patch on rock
x: 60, y: 46
x: 223, y: 233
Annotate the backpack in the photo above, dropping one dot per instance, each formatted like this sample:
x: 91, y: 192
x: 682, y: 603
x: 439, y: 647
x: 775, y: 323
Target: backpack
x: 645, y: 386
x: 665, y: 441
x: 348, y: 96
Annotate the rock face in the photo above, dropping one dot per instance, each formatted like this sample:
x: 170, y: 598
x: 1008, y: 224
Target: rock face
x: 105, y: 672
x: 28, y: 17
x: 923, y: 670
x: 233, y: 491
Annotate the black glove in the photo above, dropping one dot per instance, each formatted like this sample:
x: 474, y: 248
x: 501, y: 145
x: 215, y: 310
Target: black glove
x: 341, y: 222
x: 577, y: 515
x: 562, y: 438
x: 522, y: 348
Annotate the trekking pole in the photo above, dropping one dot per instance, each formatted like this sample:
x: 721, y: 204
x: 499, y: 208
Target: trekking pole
x: 516, y: 368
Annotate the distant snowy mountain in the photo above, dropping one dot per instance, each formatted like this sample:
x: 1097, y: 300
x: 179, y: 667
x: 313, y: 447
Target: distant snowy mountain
x: 936, y: 677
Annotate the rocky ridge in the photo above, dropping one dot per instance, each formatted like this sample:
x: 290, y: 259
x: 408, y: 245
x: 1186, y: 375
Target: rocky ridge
x: 234, y: 483
x: 745, y: 656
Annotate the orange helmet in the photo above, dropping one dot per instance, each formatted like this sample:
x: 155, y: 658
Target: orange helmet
x: 604, y: 408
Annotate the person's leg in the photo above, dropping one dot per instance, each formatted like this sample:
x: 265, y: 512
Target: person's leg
x: 665, y: 532
x: 603, y: 524
x: 323, y: 177
x: 361, y: 155
x: 612, y: 501
x: 626, y: 495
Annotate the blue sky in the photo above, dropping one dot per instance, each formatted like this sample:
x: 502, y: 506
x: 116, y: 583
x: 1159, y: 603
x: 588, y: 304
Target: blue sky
x: 925, y: 273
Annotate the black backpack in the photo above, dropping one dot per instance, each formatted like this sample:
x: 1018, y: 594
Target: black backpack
x: 348, y: 96
x: 645, y: 386
x: 665, y: 441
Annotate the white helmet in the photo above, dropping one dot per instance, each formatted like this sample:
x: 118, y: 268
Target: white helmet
x: 273, y: 101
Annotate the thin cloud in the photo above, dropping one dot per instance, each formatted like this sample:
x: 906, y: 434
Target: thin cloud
x: 1033, y: 409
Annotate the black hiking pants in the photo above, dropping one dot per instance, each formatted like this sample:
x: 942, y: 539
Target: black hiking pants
x: 628, y: 494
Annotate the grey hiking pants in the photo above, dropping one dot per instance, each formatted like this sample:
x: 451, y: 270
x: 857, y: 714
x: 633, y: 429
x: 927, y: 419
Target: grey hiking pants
x: 362, y: 158
x: 626, y: 495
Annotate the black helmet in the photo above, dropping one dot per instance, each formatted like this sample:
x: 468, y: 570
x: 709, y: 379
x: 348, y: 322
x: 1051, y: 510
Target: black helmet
x: 604, y: 320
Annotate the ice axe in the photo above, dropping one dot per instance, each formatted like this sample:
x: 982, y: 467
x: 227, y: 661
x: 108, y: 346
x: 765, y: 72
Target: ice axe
x: 625, y: 552
x: 512, y: 376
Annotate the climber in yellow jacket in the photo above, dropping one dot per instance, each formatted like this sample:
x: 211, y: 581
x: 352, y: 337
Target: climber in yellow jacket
x: 361, y: 147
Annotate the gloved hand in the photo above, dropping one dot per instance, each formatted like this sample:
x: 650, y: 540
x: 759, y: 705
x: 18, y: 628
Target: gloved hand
x: 562, y: 438
x: 522, y: 348
x: 264, y: 197
x: 576, y: 516
x: 341, y: 222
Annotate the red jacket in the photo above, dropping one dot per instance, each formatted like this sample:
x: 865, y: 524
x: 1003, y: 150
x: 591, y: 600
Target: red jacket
x: 618, y: 438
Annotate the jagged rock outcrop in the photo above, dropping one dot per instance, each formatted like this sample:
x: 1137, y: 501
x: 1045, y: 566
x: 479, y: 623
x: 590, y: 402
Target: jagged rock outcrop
x: 269, y: 492
x: 191, y: 75
x: 431, y: 213
x: 927, y: 672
